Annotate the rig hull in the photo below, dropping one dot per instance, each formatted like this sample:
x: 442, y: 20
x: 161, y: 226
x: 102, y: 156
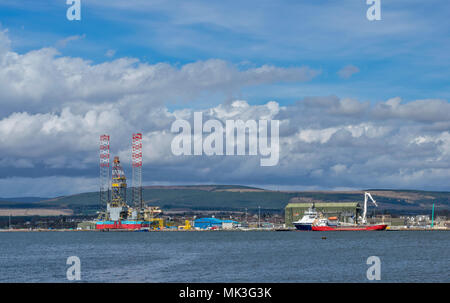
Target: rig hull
x: 123, y: 224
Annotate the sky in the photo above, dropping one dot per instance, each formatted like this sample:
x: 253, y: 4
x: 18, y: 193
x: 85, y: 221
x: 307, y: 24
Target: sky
x: 361, y: 104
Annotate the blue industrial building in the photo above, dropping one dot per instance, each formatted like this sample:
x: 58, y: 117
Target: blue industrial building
x: 207, y: 223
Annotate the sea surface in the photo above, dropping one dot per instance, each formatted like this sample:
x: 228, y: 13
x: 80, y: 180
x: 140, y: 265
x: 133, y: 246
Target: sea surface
x: 220, y: 256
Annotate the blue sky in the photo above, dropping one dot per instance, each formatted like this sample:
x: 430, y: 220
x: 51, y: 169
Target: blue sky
x: 353, y: 96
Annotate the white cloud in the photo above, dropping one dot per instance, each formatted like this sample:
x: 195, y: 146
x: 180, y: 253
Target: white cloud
x: 316, y: 135
x: 347, y: 71
x: 430, y: 110
x: 43, y: 81
x: 54, y: 108
x: 327, y: 149
x: 5, y: 43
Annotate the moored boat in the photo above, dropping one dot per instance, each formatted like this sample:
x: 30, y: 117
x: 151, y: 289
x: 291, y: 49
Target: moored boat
x: 309, y: 217
x: 332, y: 223
x: 316, y: 221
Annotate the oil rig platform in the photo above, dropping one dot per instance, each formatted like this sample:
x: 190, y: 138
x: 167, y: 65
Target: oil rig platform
x: 116, y: 212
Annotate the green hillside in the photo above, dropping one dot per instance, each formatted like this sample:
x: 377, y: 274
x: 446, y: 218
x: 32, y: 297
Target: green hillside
x: 228, y: 197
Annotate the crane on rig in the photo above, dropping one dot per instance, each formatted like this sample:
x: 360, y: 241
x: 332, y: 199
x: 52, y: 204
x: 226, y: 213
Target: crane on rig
x: 367, y: 196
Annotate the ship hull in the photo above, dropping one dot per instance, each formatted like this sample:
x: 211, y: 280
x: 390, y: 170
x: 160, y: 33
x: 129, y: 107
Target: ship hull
x: 349, y: 228
x: 300, y: 226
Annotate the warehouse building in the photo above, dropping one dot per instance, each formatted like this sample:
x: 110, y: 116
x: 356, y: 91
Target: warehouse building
x: 345, y: 211
x: 86, y: 225
x: 210, y: 223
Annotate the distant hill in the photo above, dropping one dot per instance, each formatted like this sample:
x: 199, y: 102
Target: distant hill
x: 237, y: 198
x: 23, y: 199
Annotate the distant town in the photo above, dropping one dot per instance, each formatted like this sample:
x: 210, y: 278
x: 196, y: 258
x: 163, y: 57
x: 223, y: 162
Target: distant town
x: 216, y: 220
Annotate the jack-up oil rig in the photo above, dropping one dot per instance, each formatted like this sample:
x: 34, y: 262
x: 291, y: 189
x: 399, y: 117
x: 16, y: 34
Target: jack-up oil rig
x: 116, y: 213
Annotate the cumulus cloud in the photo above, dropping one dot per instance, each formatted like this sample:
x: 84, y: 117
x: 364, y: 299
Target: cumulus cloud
x: 54, y: 108
x: 347, y: 71
x: 5, y: 43
x: 43, y: 80
x: 320, y: 146
x: 430, y: 110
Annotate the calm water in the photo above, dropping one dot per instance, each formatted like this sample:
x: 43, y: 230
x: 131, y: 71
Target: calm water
x: 225, y: 256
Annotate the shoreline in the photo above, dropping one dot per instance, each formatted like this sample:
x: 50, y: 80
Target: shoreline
x: 197, y: 230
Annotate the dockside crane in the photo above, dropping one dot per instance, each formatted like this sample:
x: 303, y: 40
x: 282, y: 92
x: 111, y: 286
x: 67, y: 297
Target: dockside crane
x: 367, y: 196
